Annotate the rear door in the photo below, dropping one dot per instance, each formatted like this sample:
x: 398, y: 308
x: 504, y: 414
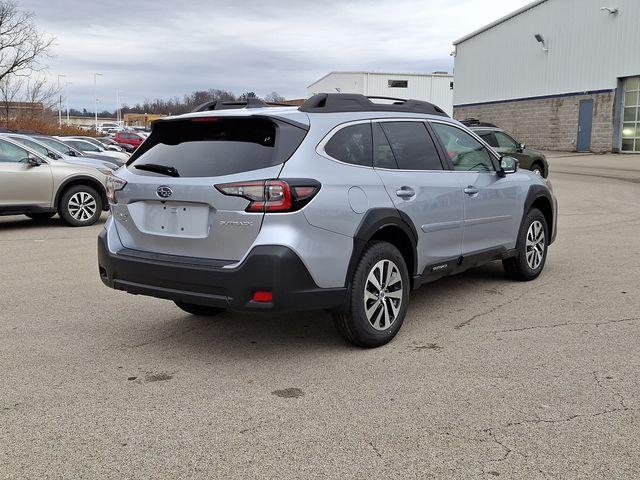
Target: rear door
x: 409, y: 165
x: 492, y: 204
x: 181, y: 212
x: 20, y: 183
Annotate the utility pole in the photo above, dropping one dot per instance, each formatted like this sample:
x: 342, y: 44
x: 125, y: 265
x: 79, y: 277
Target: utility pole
x: 60, y: 101
x: 67, y: 102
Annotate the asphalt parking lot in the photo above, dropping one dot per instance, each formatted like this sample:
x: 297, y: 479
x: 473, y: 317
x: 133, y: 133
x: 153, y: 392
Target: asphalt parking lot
x: 488, y: 378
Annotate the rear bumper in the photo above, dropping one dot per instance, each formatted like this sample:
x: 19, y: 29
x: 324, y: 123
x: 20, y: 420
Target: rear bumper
x: 271, y: 268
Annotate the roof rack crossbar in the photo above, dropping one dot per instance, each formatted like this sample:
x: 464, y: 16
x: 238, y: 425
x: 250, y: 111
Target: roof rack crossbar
x: 250, y: 102
x: 354, y: 102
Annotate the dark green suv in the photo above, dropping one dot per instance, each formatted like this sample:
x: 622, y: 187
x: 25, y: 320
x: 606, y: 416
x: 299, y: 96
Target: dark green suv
x: 503, y: 143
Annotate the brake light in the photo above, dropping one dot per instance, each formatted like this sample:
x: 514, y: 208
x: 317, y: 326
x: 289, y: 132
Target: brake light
x: 114, y: 184
x: 273, y: 196
x: 262, y: 296
x: 204, y: 119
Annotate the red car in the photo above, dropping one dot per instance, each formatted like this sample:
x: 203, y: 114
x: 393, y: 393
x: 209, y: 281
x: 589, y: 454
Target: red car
x: 129, y: 138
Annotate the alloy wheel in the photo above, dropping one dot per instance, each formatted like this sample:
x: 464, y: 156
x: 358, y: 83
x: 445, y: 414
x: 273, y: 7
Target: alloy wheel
x: 82, y: 206
x: 383, y: 294
x: 535, y: 245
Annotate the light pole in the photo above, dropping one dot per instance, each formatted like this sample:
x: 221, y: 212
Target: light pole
x: 118, y: 116
x: 60, y: 101
x: 95, y: 99
x: 66, y: 98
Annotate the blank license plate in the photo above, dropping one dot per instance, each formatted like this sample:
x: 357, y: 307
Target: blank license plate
x: 177, y: 219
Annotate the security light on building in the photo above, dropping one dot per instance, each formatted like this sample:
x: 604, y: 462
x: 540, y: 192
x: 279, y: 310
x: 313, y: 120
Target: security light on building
x: 559, y: 74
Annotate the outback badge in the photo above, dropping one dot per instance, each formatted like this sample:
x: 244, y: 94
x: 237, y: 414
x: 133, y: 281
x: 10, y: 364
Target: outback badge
x: 164, y: 191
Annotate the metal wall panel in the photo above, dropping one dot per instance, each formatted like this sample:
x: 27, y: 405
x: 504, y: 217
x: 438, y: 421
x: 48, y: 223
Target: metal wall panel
x: 589, y: 49
x: 431, y: 88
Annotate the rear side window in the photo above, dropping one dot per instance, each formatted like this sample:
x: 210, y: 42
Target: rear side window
x: 488, y: 137
x: 410, y: 145
x: 212, y: 147
x: 351, y: 145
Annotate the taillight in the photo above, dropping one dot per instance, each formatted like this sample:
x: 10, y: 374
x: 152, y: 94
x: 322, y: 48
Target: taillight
x: 114, y: 184
x: 273, y: 195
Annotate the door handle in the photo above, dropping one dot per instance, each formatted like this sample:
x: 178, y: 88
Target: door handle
x: 405, y: 192
x: 471, y: 190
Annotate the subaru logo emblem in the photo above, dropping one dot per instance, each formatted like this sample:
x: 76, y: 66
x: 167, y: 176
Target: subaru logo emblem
x: 164, y: 191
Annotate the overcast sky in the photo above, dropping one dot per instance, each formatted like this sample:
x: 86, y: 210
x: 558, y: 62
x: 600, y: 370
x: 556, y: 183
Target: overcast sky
x: 161, y: 48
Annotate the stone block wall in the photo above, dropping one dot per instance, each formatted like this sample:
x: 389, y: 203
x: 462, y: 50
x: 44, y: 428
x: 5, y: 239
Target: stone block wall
x: 548, y: 123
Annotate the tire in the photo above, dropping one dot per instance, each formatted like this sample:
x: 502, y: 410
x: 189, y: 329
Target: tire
x: 200, y: 310
x: 40, y: 216
x: 531, y: 246
x: 371, y: 320
x: 80, y: 206
x: 538, y: 169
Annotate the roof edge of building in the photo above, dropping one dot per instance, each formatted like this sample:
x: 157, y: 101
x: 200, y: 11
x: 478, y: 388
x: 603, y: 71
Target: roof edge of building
x: 414, y: 74
x: 499, y: 21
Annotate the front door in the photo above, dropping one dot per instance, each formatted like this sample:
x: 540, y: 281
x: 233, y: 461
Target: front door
x: 21, y: 184
x: 585, y: 120
x: 492, y: 204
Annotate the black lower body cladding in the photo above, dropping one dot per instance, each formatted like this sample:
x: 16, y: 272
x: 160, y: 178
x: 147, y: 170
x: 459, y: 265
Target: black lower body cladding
x: 271, y: 268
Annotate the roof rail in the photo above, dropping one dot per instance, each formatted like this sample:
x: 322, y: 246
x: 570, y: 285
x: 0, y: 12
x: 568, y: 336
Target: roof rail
x: 474, y: 122
x: 354, y: 102
x: 251, y: 102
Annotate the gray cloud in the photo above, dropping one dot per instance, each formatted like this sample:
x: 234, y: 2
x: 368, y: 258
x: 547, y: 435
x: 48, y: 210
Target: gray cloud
x: 150, y: 49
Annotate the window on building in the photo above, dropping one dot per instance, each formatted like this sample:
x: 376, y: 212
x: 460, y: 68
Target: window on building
x: 398, y: 83
x: 631, y: 115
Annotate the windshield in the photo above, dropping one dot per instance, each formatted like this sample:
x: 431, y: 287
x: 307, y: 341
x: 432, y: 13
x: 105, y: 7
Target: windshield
x: 58, y: 146
x: 41, y: 149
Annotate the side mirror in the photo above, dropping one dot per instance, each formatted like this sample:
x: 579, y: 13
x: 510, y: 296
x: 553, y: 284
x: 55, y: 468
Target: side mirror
x: 50, y: 154
x: 521, y: 147
x: 33, y: 162
x: 508, y: 165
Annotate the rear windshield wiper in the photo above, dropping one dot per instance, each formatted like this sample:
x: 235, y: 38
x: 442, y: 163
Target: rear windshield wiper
x: 162, y: 169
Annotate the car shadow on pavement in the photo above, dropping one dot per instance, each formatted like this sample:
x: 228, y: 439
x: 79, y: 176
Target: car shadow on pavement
x: 234, y: 334
x: 20, y: 222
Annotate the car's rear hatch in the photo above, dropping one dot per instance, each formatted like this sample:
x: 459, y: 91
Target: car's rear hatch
x: 170, y: 204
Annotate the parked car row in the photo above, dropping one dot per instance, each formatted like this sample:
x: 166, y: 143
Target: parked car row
x: 42, y: 175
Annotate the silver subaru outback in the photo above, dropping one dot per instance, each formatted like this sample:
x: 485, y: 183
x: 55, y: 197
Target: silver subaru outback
x: 344, y: 204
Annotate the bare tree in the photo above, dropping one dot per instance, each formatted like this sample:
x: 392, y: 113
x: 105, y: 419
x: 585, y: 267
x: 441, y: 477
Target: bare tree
x: 40, y: 95
x: 274, y: 97
x: 21, y: 44
x: 10, y: 88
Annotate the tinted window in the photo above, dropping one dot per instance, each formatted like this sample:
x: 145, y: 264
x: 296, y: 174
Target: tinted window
x: 411, y: 146
x: 218, y: 146
x: 488, y: 137
x: 351, y: 145
x: 505, y: 141
x: 465, y: 152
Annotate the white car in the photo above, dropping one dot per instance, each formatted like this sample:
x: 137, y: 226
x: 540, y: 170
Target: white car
x: 88, y: 147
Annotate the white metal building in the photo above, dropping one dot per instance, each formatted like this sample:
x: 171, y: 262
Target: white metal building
x: 560, y: 74
x: 436, y: 88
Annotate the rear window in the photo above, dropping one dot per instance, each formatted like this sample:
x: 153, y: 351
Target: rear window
x: 212, y: 147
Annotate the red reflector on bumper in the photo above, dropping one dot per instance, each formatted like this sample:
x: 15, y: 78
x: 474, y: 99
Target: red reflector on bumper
x: 262, y: 296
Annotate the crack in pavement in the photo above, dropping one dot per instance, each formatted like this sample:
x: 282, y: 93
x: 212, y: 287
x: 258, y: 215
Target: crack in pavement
x: 567, y: 324
x: 571, y: 417
x: 497, y: 307
x: 161, y: 339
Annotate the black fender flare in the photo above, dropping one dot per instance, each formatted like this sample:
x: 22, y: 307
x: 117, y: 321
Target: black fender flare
x: 374, y: 221
x: 536, y: 192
